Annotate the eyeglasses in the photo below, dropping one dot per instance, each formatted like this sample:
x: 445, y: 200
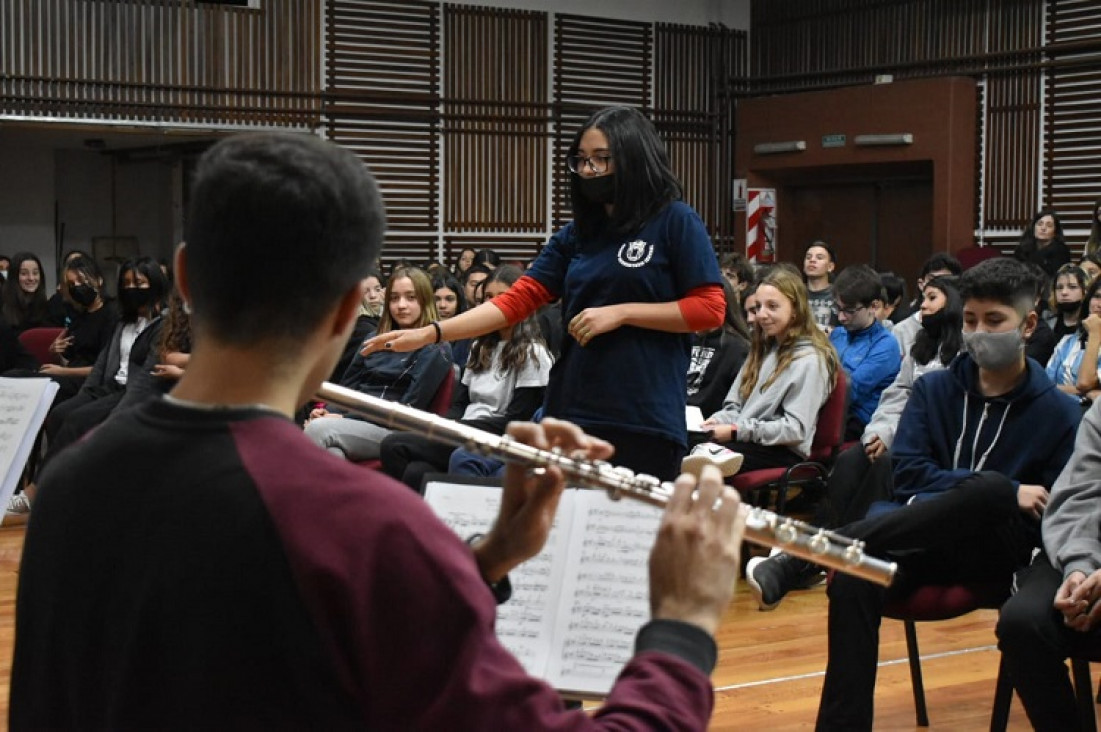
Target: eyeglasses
x: 849, y: 312
x: 597, y: 163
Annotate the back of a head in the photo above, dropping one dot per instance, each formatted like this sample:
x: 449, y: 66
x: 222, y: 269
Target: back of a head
x: 858, y: 284
x: 894, y: 287
x: 280, y: 226
x: 941, y: 262
x: 1004, y: 280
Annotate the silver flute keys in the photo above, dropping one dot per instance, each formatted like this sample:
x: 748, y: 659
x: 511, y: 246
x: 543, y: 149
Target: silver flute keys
x: 765, y: 528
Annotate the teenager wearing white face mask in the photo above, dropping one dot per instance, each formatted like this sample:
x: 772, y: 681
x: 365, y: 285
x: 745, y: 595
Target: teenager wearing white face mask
x: 972, y: 472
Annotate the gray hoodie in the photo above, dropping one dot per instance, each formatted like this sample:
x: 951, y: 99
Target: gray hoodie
x: 787, y: 412
x: 1072, y: 520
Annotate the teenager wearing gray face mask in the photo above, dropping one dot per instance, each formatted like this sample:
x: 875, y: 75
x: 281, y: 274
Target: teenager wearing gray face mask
x: 977, y: 448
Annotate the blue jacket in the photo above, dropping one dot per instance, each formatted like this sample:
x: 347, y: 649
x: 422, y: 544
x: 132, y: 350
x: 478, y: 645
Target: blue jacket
x: 871, y: 360
x: 949, y: 431
x: 409, y: 378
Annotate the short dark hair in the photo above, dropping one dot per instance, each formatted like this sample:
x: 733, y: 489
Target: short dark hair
x: 487, y: 257
x: 894, y: 287
x: 475, y: 269
x: 304, y: 212
x: 941, y: 261
x: 740, y: 264
x: 858, y: 284
x: 1004, y: 280
x: 644, y: 180
x: 823, y: 245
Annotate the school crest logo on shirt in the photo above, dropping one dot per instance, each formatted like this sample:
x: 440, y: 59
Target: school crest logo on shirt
x: 635, y: 253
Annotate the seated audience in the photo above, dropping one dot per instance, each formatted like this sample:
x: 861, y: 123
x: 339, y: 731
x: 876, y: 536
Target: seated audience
x: 24, y: 303
x: 450, y: 301
x: 201, y: 563
x: 370, y: 312
x: 142, y: 289
x: 1041, y: 343
x: 717, y: 357
x: 463, y: 262
x: 1066, y: 300
x: 938, y: 265
x: 473, y: 280
x: 1043, y: 243
x: 818, y: 265
x: 1081, y: 347
x: 936, y: 344
x: 738, y: 271
x: 166, y: 361
x: 408, y: 378
x: 487, y: 258
x: 505, y: 380
x: 1055, y: 612
x: 972, y: 472
x: 771, y: 411
x: 1091, y: 265
x: 60, y: 309
x: 868, y: 351
x: 895, y: 306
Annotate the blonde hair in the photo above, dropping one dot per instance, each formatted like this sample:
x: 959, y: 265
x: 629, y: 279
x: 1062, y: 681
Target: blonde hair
x: 422, y: 289
x: 802, y: 327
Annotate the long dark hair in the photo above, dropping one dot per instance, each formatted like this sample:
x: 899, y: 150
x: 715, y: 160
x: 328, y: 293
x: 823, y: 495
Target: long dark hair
x: 24, y: 310
x: 448, y: 282
x: 644, y: 182
x: 1027, y: 245
x: 949, y: 340
x: 519, y: 348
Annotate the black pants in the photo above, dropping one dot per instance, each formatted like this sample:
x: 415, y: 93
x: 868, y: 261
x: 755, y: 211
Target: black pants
x: 409, y: 457
x: 855, y: 483
x: 72, y: 419
x: 974, y: 532
x: 1035, y: 644
x: 648, y: 454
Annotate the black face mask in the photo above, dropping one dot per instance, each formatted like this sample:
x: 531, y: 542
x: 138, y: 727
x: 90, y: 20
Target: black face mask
x: 1068, y: 307
x: 600, y: 189
x: 83, y: 295
x: 934, y: 323
x: 133, y: 298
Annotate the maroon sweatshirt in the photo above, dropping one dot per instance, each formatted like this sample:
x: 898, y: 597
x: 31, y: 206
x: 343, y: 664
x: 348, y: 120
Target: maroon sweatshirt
x: 194, y: 568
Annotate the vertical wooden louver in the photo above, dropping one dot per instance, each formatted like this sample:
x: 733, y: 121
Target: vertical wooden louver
x: 381, y: 100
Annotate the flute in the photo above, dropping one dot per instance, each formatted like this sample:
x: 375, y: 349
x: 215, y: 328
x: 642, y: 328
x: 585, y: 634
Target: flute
x: 762, y: 527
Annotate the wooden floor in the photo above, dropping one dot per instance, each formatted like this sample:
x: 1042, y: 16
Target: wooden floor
x: 770, y: 664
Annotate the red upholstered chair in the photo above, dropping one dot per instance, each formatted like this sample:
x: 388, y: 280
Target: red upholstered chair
x: 37, y: 342
x: 759, y: 487
x: 929, y: 603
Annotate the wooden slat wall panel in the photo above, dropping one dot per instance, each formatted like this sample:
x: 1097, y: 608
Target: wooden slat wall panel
x: 381, y: 100
x: 496, y: 120
x: 801, y: 45
x: 597, y: 62
x: 1072, y: 148
x: 693, y: 105
x: 162, y: 61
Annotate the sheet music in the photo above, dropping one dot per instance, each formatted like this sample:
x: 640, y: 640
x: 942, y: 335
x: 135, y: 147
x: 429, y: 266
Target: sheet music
x: 23, y: 407
x: 693, y: 417
x: 606, y: 595
x: 524, y: 623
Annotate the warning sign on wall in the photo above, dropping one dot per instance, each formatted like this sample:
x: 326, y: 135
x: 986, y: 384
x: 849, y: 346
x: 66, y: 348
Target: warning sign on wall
x: 760, y: 225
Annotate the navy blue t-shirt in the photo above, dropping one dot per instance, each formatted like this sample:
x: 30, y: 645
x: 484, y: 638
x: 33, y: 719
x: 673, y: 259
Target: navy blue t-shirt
x: 631, y: 378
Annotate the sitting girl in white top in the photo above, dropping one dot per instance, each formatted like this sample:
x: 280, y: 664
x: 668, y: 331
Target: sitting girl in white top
x: 772, y: 409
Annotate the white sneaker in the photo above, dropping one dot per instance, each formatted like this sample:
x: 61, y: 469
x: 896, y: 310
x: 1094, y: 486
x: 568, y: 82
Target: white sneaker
x: 19, y: 504
x: 709, y: 453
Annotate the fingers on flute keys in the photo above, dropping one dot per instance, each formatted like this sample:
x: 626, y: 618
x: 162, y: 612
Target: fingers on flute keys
x: 695, y: 560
